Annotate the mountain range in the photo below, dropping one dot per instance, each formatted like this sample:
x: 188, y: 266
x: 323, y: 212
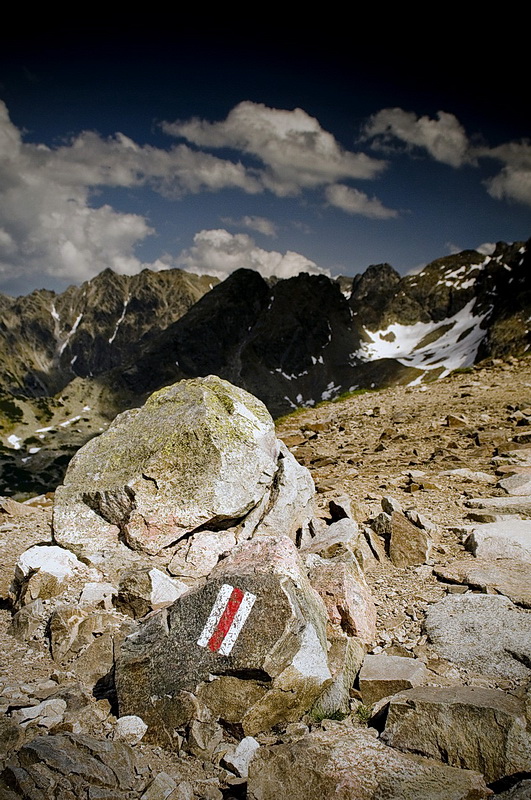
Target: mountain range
x: 69, y: 362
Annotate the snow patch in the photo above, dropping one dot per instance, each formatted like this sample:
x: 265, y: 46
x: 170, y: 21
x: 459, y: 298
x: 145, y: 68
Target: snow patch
x: 14, y: 441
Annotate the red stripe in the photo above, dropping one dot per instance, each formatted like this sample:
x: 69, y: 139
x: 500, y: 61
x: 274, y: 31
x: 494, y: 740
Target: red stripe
x: 226, y: 619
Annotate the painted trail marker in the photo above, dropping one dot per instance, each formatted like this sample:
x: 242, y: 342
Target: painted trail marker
x: 229, y: 613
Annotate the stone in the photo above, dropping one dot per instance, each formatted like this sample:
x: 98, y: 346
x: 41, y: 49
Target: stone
x: 346, y: 596
x: 238, y: 759
x: 345, y: 658
x: 160, y: 788
x: 130, y: 729
x: 516, y: 485
x: 11, y: 736
x: 484, y: 633
x: 350, y: 764
x: 463, y: 726
x: 408, y: 545
x: 27, y: 621
x: 334, y: 538
x: 502, y: 576
x: 71, y: 766
x: 98, y: 595
x: 519, y: 791
x: 145, y: 589
x: 505, y: 539
x: 502, y: 505
x: 390, y: 505
x: 44, y: 571
x: 469, y: 475
x: 204, y: 739
x: 420, y: 521
x: 456, y: 421
x: 198, y: 555
x: 201, y: 452
x: 265, y: 668
x: 382, y: 676
x: 85, y: 640
x: 47, y: 714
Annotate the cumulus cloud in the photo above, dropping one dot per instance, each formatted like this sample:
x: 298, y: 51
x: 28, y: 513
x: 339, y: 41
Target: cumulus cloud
x: 218, y: 252
x: 355, y: 202
x: 446, y: 141
x: 253, y: 223
x: 444, y: 138
x: 294, y: 150
x: 49, y: 221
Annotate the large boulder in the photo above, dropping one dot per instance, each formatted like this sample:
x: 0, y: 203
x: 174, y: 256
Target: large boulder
x: 350, y: 764
x: 464, y: 726
x: 201, y: 454
x: 484, y: 633
x: 248, y: 647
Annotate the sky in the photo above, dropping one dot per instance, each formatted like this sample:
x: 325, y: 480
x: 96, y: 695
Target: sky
x: 209, y: 147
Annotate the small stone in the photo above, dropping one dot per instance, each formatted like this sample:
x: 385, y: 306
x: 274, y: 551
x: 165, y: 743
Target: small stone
x: 238, y: 760
x: 130, y: 729
x: 160, y: 788
x: 382, y: 675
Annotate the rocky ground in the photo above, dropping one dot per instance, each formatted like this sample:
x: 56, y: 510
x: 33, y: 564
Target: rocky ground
x: 417, y: 469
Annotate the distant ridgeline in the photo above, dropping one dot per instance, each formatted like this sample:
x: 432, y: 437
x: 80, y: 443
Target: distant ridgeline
x: 70, y: 362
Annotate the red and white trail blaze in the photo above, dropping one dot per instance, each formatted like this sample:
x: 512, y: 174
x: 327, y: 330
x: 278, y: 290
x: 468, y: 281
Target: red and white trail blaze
x: 227, y: 618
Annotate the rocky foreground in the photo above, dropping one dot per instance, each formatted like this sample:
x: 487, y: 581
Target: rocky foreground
x: 208, y: 616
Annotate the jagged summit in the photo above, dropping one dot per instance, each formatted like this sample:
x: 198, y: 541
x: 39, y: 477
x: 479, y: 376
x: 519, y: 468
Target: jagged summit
x: 70, y: 362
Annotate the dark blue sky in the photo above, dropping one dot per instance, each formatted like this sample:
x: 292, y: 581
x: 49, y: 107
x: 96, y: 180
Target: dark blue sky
x: 367, y: 171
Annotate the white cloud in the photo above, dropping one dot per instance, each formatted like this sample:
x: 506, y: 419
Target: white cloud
x: 218, y: 252
x: 513, y: 182
x: 49, y: 221
x: 253, y: 223
x: 291, y: 145
x: 355, y: 202
x: 486, y: 249
x: 444, y: 138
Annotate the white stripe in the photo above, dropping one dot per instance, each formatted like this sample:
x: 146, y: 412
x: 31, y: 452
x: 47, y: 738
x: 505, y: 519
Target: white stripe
x: 237, y: 623
x: 215, y: 615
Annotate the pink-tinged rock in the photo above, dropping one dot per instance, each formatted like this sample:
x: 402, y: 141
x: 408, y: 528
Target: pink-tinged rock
x: 351, y: 764
x: 347, y: 597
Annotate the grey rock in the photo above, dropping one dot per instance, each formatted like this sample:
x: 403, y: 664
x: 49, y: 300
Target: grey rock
x: 334, y: 538
x: 160, y: 788
x: 350, y: 764
x: 516, y: 485
x: 130, y: 729
x: 382, y: 675
x: 238, y: 759
x: 47, y: 714
x: 466, y: 727
x: 269, y: 672
x: 485, y: 633
x: 408, y: 545
x: 199, y: 452
x: 505, y: 539
x: 390, y: 505
x: 501, y: 576
x: 502, y: 505
x: 69, y: 766
x: 145, y: 589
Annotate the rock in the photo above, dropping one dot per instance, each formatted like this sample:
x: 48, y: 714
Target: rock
x: 86, y: 640
x: 334, y: 538
x: 502, y: 576
x: 502, y: 505
x: 204, y: 738
x: 145, y: 589
x: 98, y: 595
x: 484, y: 633
x: 505, y: 539
x: 472, y: 476
x: 130, y: 729
x: 519, y: 791
x: 160, y: 788
x: 345, y: 658
x: 420, y: 521
x: 516, y: 485
x: 349, y: 764
x: 390, y: 505
x: 382, y: 675
x: 239, y: 758
x: 456, y: 421
x: 71, y: 766
x: 47, y: 714
x: 266, y: 667
x: 408, y: 545
x: 290, y: 506
x: 28, y: 620
x: 11, y: 737
x: 44, y: 571
x: 201, y: 452
x: 346, y: 596
x: 197, y: 556
x: 463, y: 726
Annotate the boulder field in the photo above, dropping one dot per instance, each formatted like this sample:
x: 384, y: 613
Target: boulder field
x: 215, y: 611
